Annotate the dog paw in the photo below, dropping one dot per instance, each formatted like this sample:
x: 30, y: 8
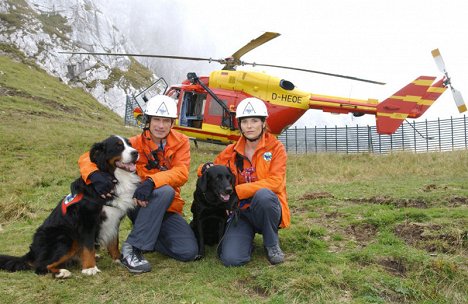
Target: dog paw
x: 117, y: 261
x: 63, y: 274
x: 90, y: 271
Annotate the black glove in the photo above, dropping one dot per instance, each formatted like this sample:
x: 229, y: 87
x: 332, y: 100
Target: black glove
x: 206, y: 166
x: 102, y: 182
x: 143, y: 192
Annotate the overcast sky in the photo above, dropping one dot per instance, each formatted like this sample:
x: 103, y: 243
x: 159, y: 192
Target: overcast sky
x: 389, y: 41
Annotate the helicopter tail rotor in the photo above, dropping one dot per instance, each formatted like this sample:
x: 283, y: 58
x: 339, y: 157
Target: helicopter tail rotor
x: 457, y: 96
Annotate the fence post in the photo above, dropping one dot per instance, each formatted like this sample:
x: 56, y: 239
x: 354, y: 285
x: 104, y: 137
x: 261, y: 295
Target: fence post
x: 391, y: 143
x: 464, y: 127
x: 427, y: 139
x: 315, y: 138
x: 438, y: 127
x: 369, y: 140
x: 403, y: 137
x: 347, y: 139
x: 380, y: 144
x: 336, y: 139
x: 451, y: 131
x: 305, y: 139
x: 414, y: 137
x: 357, y: 137
x: 295, y: 137
x: 326, y: 145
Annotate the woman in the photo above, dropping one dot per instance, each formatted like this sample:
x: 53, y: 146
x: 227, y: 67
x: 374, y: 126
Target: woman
x: 258, y: 160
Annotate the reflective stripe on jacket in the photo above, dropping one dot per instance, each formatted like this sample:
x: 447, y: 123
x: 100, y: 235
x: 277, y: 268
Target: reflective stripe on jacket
x: 176, y: 157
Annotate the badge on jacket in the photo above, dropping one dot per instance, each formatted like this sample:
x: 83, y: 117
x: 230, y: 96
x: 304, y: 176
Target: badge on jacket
x: 267, y: 156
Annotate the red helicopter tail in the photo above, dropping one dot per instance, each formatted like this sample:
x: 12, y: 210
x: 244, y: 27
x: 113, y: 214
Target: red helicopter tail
x: 411, y: 101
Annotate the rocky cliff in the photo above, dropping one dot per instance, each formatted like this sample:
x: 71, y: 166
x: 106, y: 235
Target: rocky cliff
x: 42, y: 28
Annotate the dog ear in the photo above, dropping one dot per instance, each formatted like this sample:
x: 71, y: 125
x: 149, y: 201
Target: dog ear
x: 97, y: 155
x: 202, y: 182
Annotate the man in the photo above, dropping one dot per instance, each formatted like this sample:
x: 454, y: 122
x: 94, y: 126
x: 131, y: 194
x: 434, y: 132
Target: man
x: 163, y: 166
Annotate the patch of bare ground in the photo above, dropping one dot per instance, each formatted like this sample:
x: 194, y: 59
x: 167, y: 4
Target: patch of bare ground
x: 315, y: 195
x: 248, y: 287
x: 433, y: 187
x: 302, y: 208
x: 432, y: 237
x: 393, y: 266
x: 385, y: 200
x: 5, y: 91
x: 363, y: 233
x: 456, y: 201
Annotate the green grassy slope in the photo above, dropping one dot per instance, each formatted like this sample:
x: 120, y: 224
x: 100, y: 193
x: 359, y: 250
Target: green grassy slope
x: 365, y: 228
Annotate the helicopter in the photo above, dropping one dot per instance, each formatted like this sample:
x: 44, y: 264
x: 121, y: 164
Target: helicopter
x: 206, y: 104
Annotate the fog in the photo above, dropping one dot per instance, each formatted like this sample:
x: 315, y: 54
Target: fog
x: 389, y: 41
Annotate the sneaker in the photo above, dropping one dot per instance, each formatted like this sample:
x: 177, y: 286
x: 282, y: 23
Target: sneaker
x: 133, y: 259
x: 274, y: 254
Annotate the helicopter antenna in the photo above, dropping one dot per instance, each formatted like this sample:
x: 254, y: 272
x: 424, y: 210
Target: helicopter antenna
x: 414, y: 127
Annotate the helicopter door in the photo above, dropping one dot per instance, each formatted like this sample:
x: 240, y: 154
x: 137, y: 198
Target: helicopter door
x: 191, y: 113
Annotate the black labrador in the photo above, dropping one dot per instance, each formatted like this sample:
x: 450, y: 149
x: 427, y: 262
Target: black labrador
x: 214, y: 198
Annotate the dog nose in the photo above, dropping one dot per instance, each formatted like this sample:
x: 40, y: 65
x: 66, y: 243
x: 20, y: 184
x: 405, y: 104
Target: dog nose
x: 229, y: 190
x: 134, y: 154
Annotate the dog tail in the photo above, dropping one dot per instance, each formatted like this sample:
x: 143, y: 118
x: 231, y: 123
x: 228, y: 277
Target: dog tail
x: 13, y: 264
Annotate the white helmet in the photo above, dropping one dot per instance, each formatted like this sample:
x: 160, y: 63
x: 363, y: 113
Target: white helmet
x: 251, y: 107
x: 161, y: 106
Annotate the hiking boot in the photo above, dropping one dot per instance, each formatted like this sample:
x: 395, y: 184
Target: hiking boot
x: 274, y: 254
x: 133, y: 259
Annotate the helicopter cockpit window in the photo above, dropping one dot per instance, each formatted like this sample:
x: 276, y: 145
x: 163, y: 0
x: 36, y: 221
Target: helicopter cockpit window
x: 287, y: 85
x: 215, y: 109
x: 191, y: 113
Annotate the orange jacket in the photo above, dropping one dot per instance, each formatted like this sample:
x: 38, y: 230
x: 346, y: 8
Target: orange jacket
x: 176, y: 158
x: 269, y: 161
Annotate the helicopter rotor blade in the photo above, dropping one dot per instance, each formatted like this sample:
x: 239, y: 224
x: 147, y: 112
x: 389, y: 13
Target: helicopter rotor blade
x: 457, y: 96
x: 222, y: 61
x: 313, y: 71
x: 439, y: 60
x: 254, y: 43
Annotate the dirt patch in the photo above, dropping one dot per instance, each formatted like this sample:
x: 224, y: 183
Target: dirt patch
x: 249, y: 287
x: 333, y: 214
x: 296, y: 210
x: 458, y: 201
x: 429, y: 188
x: 432, y: 187
x: 5, y: 91
x: 432, y: 237
x: 315, y: 195
x: 393, y: 266
x: 385, y: 200
x: 363, y: 233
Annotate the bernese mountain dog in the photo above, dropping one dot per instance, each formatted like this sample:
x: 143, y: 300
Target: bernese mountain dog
x: 83, y: 217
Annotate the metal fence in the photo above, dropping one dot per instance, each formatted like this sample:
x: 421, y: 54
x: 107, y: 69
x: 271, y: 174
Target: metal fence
x: 424, y: 136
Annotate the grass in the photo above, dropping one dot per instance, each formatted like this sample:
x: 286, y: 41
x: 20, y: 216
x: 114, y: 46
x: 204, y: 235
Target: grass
x: 365, y: 228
